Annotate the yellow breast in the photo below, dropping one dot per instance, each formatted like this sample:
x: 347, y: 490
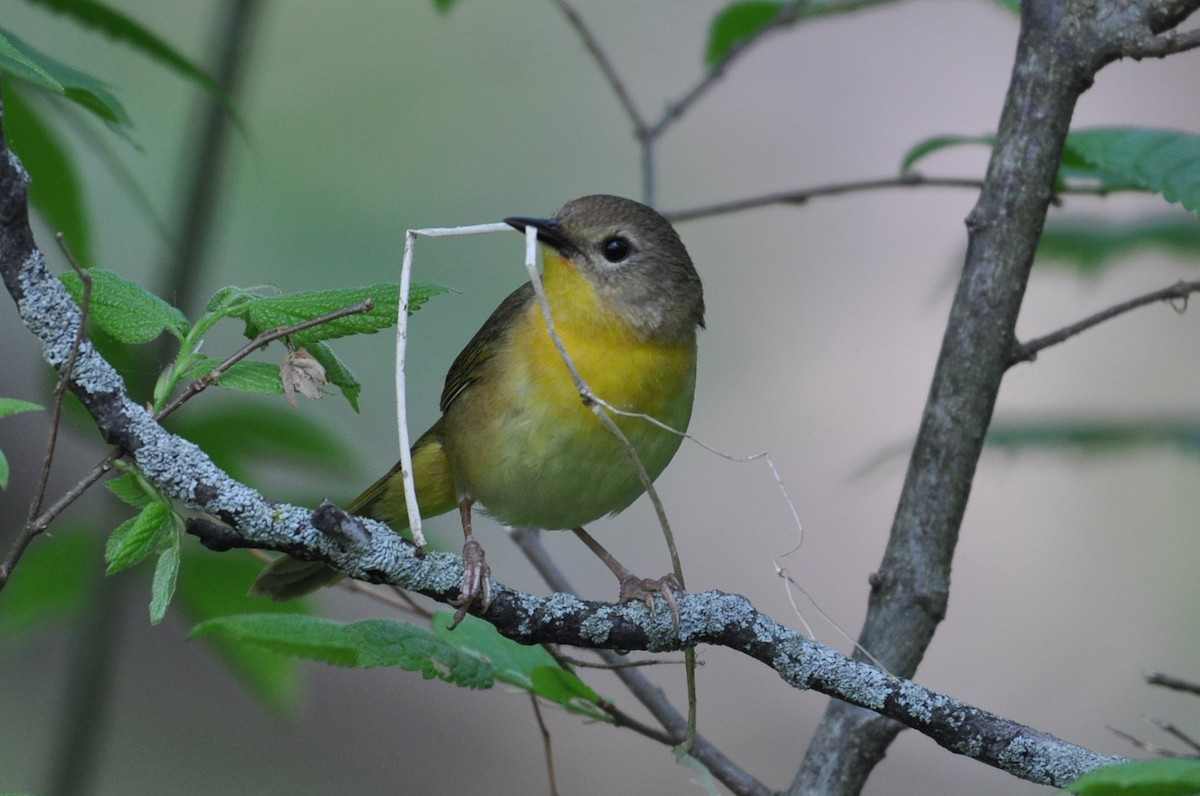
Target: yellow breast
x: 535, y: 455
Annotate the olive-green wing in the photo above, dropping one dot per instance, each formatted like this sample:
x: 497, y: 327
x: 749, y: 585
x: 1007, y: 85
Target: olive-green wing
x: 469, y: 364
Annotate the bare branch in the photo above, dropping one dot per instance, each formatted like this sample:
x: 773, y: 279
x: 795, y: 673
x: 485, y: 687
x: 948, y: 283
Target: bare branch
x: 1171, y: 681
x: 1028, y: 351
x: 606, y: 67
x: 910, y: 180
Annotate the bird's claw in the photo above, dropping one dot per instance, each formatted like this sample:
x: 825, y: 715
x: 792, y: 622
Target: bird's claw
x: 635, y: 589
x: 477, y: 583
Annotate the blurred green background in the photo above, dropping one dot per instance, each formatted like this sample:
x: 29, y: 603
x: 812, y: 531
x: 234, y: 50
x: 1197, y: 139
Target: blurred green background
x: 362, y: 119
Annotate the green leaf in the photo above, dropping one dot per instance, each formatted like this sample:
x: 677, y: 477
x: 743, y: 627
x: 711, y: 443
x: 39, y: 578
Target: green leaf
x: 1095, y: 437
x: 1161, y: 161
x: 55, y: 190
x: 735, y: 24
x: 213, y: 585
x: 369, y: 643
x: 125, y: 29
x: 139, y: 536
x: 930, y: 145
x: 166, y: 573
x: 274, y: 312
x: 51, y: 584
x: 1091, y: 244
x: 124, y: 309
x: 1177, y: 776
x: 246, y: 376
x: 12, y: 406
x: 528, y: 667
x: 128, y: 487
x: 20, y: 60
x: 444, y: 6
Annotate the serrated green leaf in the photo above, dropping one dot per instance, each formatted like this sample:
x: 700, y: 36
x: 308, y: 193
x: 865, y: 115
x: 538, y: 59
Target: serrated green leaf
x: 12, y: 406
x: 137, y: 537
x: 249, y: 375
x: 55, y: 188
x: 930, y: 145
x: 4, y: 471
x: 51, y: 584
x: 1092, y: 244
x: 1096, y: 436
x: 125, y: 29
x: 735, y: 24
x: 166, y: 573
x: 1161, y: 161
x: 129, y: 490
x: 274, y: 312
x: 527, y: 667
x: 1169, y: 777
x: 213, y: 585
x: 369, y: 643
x: 21, y: 60
x: 125, y: 310
x: 336, y: 372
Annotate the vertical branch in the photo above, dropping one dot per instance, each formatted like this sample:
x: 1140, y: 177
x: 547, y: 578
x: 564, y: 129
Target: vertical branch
x: 1062, y: 44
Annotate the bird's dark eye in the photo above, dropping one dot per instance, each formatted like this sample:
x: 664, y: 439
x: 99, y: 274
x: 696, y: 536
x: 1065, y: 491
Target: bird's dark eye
x: 616, y: 249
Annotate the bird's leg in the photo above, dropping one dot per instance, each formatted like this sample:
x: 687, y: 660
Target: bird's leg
x: 477, y: 584
x: 633, y: 587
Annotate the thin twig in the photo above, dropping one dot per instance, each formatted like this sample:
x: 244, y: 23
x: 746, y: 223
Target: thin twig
x: 60, y: 389
x: 1028, y: 351
x: 547, y: 745
x: 199, y: 385
x: 1171, y: 681
x: 1176, y: 733
x: 607, y: 69
x: 675, y: 110
x: 1144, y: 745
x: 32, y: 527
x: 910, y: 180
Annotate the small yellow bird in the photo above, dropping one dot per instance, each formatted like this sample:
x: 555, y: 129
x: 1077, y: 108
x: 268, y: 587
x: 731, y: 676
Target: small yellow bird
x: 514, y: 433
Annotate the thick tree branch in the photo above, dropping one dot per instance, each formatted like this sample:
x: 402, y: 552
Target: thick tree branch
x: 1062, y: 44
x: 372, y: 552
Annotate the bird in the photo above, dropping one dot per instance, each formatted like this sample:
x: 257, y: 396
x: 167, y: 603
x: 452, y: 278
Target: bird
x: 516, y: 436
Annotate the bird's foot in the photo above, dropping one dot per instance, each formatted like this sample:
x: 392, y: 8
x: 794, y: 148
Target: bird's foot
x: 635, y: 589
x: 477, y: 583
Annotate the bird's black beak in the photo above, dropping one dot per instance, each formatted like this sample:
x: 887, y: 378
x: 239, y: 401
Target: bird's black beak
x: 548, y: 231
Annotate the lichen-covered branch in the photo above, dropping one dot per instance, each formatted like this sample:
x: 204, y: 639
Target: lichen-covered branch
x: 370, y: 551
